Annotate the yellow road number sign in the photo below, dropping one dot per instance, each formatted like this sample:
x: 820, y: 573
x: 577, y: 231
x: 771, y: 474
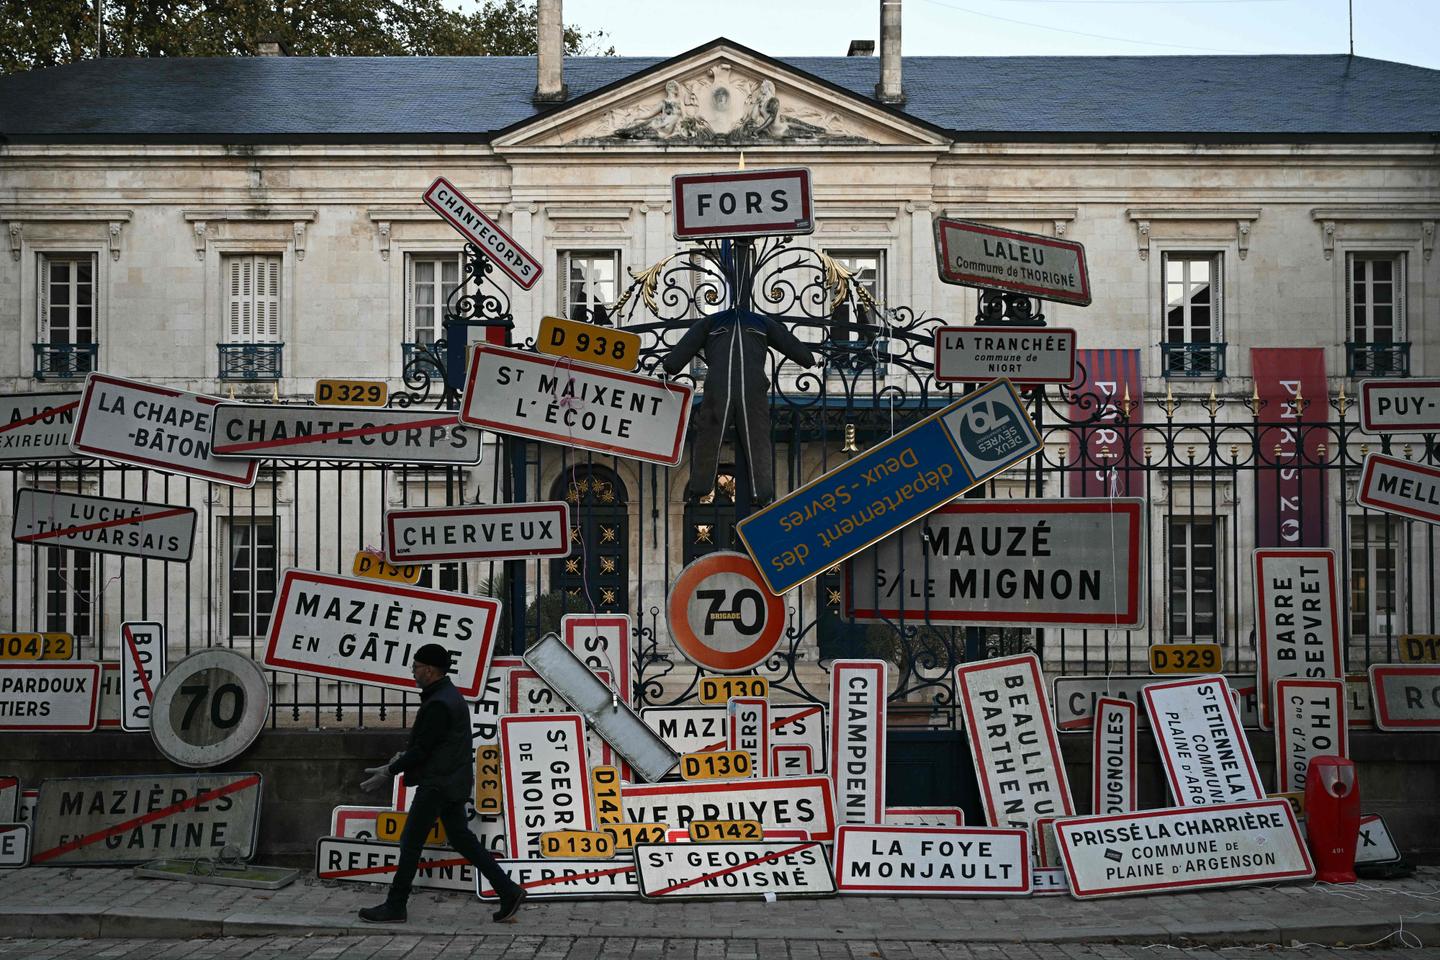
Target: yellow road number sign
x: 1296, y: 799
x: 351, y: 393
x: 371, y: 567
x: 721, y: 689
x: 626, y: 835
x: 605, y: 346
x: 1185, y: 658
x: 605, y: 788
x: 577, y: 845
x: 390, y: 824
x: 1420, y: 648
x: 36, y: 646
x: 720, y: 831
x: 716, y: 765
x: 487, y: 779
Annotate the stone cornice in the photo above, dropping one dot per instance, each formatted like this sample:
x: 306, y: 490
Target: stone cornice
x: 114, y: 219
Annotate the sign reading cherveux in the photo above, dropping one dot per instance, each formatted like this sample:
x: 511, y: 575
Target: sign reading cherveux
x: 978, y: 255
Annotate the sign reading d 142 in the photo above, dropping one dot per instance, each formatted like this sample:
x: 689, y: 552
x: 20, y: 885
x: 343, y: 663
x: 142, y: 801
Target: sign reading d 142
x: 977, y: 255
x: 743, y: 203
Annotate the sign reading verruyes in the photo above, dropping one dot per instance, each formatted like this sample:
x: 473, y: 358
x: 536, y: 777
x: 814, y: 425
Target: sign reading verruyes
x: 1206, y: 756
x: 510, y: 531
x: 300, y: 432
x: 131, y: 528
x: 858, y: 692
x: 978, y: 255
x: 475, y: 226
x: 939, y: 861
x: 1297, y: 620
x: 566, y: 879
x: 36, y: 426
x: 1309, y: 722
x: 801, y: 803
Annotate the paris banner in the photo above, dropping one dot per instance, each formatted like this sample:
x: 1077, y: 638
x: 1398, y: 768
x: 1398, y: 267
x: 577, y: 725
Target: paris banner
x: 1098, y: 451
x: 1291, y: 489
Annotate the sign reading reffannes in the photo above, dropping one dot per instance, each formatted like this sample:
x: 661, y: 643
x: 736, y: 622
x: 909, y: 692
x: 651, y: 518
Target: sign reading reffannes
x: 576, y: 404
x: 475, y: 226
x: 36, y: 426
x: 977, y: 255
x: 1024, y: 354
x: 1297, y: 619
x: 353, y: 435
x: 743, y: 203
x: 918, y: 470
x: 508, y: 531
x: 1009, y: 563
x: 132, y: 528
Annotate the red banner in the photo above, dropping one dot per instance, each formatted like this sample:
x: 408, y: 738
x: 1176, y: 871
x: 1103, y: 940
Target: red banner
x: 1291, y: 492
x: 1098, y: 450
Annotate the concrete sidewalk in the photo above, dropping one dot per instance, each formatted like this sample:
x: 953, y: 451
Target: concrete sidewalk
x: 111, y: 903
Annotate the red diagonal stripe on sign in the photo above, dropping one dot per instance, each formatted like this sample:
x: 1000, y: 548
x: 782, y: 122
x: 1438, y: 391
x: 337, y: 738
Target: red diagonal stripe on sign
x: 768, y: 858
x: 47, y: 412
x: 117, y: 522
x: 203, y: 797
x: 774, y: 725
x: 388, y: 868
x: 336, y: 435
x: 135, y: 655
x: 1077, y: 723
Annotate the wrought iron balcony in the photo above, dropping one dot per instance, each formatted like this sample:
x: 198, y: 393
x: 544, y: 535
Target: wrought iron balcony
x: 1388, y: 359
x: 1193, y: 361
x: 64, y: 361
x: 250, y: 361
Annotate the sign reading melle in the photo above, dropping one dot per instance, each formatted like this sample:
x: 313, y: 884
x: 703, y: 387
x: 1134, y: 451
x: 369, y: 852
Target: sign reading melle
x: 978, y: 255
x: 1406, y: 489
x: 1297, y: 620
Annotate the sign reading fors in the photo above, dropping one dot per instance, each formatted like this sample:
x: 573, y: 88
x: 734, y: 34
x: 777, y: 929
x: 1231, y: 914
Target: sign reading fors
x: 743, y: 203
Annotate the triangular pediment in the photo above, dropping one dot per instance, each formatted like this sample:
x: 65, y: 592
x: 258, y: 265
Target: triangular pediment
x: 721, y: 93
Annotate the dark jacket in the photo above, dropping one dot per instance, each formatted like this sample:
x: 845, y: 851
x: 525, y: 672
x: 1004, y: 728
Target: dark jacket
x: 439, y: 754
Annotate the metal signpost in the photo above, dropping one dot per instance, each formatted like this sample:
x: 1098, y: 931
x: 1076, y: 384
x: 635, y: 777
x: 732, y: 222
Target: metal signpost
x: 567, y: 879
x: 142, y: 658
x: 895, y: 482
x: 858, y: 707
x: 1400, y: 406
x: 743, y: 203
x: 1297, y: 618
x: 1075, y: 698
x: 721, y: 616
x: 1406, y: 696
x: 1309, y: 722
x: 547, y: 779
x: 344, y: 434
x: 1115, y: 758
x: 51, y: 696
x: 773, y: 869
x: 602, y: 642
x: 373, y: 861
x: 1206, y: 756
x: 131, y: 528
x: 932, y: 861
x: 749, y: 731
x: 978, y: 255
x: 1037, y: 563
x: 36, y: 426
x: 478, y: 532
x: 1027, y: 355
x: 1399, y: 487
x: 781, y: 803
x: 209, y: 708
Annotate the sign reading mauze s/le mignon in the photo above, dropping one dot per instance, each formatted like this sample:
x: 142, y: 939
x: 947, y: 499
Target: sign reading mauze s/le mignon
x: 743, y: 203
x: 495, y: 243
x: 978, y: 255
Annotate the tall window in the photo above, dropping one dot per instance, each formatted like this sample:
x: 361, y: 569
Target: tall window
x: 252, y: 298
x: 253, y: 567
x: 67, y: 299
x: 591, y: 279
x: 431, y: 280
x: 69, y: 580
x: 1193, y: 313
x: 1376, y: 291
x: 1194, y: 548
x: 441, y: 576
x: 1374, y: 552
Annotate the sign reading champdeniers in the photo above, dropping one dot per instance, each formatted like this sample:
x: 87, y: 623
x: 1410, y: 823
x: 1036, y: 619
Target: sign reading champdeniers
x: 1297, y: 620
x: 1206, y: 756
x: 918, y: 470
x: 145, y: 425
x: 367, y: 631
x: 478, y: 532
x: 1009, y: 563
x: 858, y: 691
x: 131, y: 528
x: 1024, y: 354
x: 36, y: 426
x: 349, y: 434
x: 977, y: 255
x: 743, y: 203
x: 495, y: 243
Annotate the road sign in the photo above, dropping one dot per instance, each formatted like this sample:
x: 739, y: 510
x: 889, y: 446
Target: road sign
x: 605, y: 792
x: 935, y: 861
x: 700, y: 729
x: 351, y: 393
x: 300, y: 432
x: 725, y: 831
x: 924, y: 817
x: 750, y: 731
x: 602, y: 642
x: 529, y: 693
x: 1076, y: 697
x: 14, y: 845
x: 716, y: 765
x: 578, y: 405
x: 21, y: 646
x: 1399, y: 406
x: 355, y: 823
x: 109, y: 711
x: 130, y: 421
x: 781, y: 803
x: 605, y: 346
x: 1376, y: 845
x: 1297, y: 618
x: 1309, y: 722
x: 36, y: 426
x: 371, y: 566
x: 743, y: 203
x: 1113, y: 766
x: 391, y: 824
x: 209, y: 708
x: 567, y: 879
x: 92, y: 821
x: 547, y: 781
x: 475, y: 226
x: 132, y: 528
x: 487, y: 706
x: 627, y: 835
x: 721, y: 615
x: 895, y: 482
x: 1048, y: 882
x: 1406, y: 696
x: 142, y: 660
x: 53, y: 696
x: 365, y: 631
x: 1154, y: 851
x: 773, y: 869
x: 1009, y: 563
x: 510, y: 531
x: 978, y: 255
x: 577, y: 845
x: 1202, y: 746
x: 858, y: 706
x: 719, y: 690
x: 9, y: 799
x: 1405, y: 489
x: 1200, y: 658
x: 1359, y: 710
x: 1027, y: 355
x: 791, y: 760
x: 1419, y: 648
x: 373, y: 861
x: 489, y: 791
x: 1007, y: 720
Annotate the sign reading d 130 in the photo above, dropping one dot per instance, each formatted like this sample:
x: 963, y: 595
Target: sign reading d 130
x: 918, y: 470
x: 743, y: 203
x: 299, y: 432
x: 130, y: 528
x: 977, y: 255
x: 367, y: 631
x: 495, y: 243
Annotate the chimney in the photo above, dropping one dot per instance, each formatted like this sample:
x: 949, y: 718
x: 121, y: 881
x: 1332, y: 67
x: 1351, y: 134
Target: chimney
x: 550, y: 79
x: 888, y: 90
x: 861, y: 48
x: 269, y: 48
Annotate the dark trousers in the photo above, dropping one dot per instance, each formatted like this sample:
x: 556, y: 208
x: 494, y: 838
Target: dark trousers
x: 428, y: 804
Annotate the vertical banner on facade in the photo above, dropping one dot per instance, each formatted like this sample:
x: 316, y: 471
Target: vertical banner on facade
x: 1290, y: 492
x: 1114, y: 766
x: 1098, y: 451
x: 857, y: 738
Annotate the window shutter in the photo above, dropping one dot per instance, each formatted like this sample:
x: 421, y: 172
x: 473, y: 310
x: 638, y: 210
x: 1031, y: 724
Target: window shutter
x: 42, y: 307
x: 267, y: 300
x: 1399, y: 288
x: 238, y: 300
x: 1217, y: 285
x: 408, y: 318
x: 565, y: 285
x: 1350, y: 297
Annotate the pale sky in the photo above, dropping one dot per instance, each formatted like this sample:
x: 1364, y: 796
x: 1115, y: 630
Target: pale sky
x: 1403, y: 30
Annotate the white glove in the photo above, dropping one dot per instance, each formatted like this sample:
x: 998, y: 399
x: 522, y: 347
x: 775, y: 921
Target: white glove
x: 380, y: 776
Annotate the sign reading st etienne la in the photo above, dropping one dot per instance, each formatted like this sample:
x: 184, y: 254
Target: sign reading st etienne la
x: 900, y: 480
x: 209, y: 708
x: 1115, y: 789
x: 858, y: 692
x: 978, y: 255
x: 301, y: 432
x: 475, y: 226
x: 1297, y: 619
x: 53, y: 696
x: 1075, y: 698
x: 779, y: 803
x: 509, y: 531
x: 547, y: 779
x: 1027, y: 355
x: 545, y: 879
x: 782, y: 869
x: 144, y: 425
x: 1406, y: 696
x: 1007, y: 718
x: 576, y: 404
x: 1153, y: 851
x: 366, y: 631
x: 1031, y: 563
x: 1309, y: 722
x: 36, y: 426
x: 142, y: 664
x: 743, y: 203
x: 939, y: 861
x: 1400, y: 406
x: 131, y: 528
x: 1400, y: 487
x: 1202, y: 747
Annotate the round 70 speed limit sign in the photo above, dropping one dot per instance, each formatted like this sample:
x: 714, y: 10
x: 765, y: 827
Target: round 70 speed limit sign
x: 209, y: 708
x: 720, y: 614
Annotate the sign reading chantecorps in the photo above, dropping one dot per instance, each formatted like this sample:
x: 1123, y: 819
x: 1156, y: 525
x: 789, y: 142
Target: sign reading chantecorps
x: 1297, y: 620
x: 299, y: 432
x: 36, y: 426
x: 509, y: 531
x: 131, y: 528
x: 475, y: 226
x: 1202, y: 745
x: 978, y: 255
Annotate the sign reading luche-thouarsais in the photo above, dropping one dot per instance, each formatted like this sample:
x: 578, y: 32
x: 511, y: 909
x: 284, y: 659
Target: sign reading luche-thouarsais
x: 36, y: 426
x: 131, y: 528
x: 1202, y: 745
x: 1297, y: 619
x: 978, y: 255
x: 300, y: 432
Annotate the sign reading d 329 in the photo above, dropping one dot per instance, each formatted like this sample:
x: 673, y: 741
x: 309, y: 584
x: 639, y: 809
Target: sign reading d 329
x: 893, y: 483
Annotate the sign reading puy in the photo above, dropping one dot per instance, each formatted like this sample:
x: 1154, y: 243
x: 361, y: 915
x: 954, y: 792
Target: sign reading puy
x: 978, y: 255
x: 475, y: 226
x: 131, y: 528
x: 1399, y: 406
x: 301, y: 432
x: 1202, y: 746
x: 512, y: 531
x: 36, y: 426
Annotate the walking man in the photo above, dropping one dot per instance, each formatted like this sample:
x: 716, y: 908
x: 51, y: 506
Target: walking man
x: 440, y: 764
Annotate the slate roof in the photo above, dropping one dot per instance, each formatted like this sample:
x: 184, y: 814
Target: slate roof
x: 458, y: 99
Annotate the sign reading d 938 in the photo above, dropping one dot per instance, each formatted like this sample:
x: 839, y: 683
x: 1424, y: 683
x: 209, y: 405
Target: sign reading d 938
x: 888, y: 486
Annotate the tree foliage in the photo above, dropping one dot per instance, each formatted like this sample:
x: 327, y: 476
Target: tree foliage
x: 44, y: 33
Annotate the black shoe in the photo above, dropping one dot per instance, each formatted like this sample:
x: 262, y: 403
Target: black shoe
x: 510, y: 905
x: 384, y: 913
